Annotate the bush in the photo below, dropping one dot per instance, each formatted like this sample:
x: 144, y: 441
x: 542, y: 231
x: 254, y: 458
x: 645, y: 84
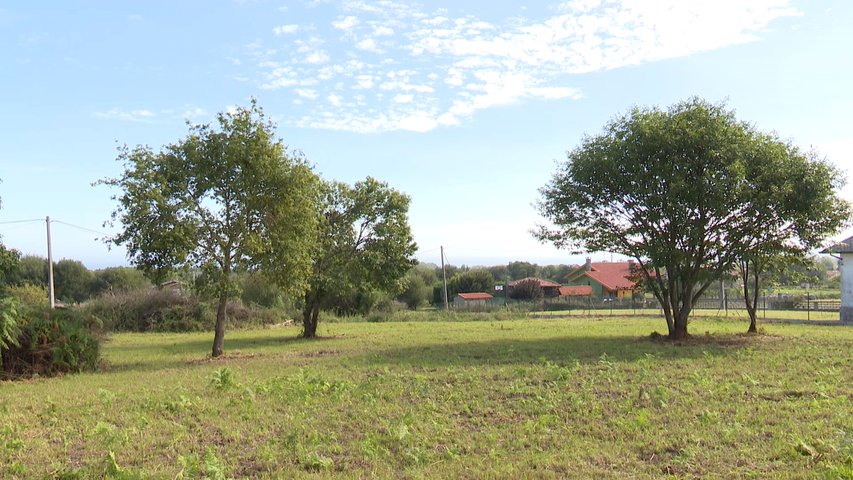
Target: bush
x: 29, y: 295
x: 169, y: 311
x: 52, y: 344
x: 150, y: 311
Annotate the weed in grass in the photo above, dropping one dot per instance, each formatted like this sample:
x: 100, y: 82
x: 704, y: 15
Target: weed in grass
x: 179, y: 405
x: 316, y: 462
x: 113, y: 471
x: 210, y: 467
x: 223, y: 379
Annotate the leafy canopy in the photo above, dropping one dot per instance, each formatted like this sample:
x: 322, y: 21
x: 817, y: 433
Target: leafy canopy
x: 220, y: 200
x: 365, y: 244
x: 686, y: 192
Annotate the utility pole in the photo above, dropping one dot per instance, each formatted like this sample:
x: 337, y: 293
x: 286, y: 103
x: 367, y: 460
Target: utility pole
x: 444, y: 277
x: 50, y: 290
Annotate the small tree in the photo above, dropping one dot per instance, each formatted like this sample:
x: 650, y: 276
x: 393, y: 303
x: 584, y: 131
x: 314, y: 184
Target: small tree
x: 365, y: 244
x: 219, y: 200
x: 418, y: 284
x: 72, y: 280
x: 529, y: 289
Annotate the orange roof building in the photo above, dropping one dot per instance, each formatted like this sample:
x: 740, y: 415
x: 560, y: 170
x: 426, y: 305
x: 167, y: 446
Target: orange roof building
x: 605, y: 279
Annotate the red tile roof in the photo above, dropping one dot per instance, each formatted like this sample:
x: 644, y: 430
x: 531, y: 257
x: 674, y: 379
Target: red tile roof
x: 576, y: 291
x: 611, y: 275
x: 474, y: 296
x: 542, y: 283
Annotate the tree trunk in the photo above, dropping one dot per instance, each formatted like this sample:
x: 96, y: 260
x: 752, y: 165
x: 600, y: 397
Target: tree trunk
x: 310, y: 315
x: 219, y: 335
x: 679, y: 331
x: 750, y: 298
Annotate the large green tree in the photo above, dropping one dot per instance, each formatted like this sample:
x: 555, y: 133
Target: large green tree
x: 365, y: 244
x: 672, y: 189
x: 220, y: 200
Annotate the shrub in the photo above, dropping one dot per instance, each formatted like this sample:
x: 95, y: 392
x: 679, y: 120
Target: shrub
x: 52, y: 344
x: 29, y: 295
x: 169, y: 311
x: 150, y: 310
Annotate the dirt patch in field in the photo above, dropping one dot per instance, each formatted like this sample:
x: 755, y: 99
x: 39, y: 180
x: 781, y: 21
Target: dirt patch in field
x: 320, y: 353
x: 223, y: 358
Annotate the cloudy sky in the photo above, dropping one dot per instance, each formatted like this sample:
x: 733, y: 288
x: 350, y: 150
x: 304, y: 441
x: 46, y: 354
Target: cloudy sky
x: 465, y: 106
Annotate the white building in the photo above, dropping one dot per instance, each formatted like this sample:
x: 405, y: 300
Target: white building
x: 844, y: 252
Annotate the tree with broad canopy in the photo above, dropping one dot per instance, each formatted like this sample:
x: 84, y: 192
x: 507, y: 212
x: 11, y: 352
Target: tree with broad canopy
x: 688, y: 192
x: 365, y: 243
x: 218, y: 201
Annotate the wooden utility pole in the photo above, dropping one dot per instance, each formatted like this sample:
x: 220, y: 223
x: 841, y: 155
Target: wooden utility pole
x: 50, y: 290
x: 444, y: 278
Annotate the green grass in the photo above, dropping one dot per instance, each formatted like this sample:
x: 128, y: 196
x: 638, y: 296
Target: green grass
x: 732, y: 314
x: 531, y: 398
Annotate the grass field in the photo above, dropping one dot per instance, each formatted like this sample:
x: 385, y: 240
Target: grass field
x: 731, y: 314
x: 565, y: 398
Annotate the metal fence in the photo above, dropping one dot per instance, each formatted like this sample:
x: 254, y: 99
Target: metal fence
x: 782, y: 307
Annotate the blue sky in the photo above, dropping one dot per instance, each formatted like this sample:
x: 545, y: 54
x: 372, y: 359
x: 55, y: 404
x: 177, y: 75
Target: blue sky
x: 465, y: 106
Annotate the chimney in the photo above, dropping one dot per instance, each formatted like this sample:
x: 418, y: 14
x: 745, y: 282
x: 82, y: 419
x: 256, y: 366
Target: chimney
x: 588, y: 266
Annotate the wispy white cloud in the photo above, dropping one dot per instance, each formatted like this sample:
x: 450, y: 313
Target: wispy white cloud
x: 346, y: 24
x: 286, y: 29
x: 142, y: 115
x: 440, y: 69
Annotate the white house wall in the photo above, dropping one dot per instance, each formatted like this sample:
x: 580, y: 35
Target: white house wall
x: 847, y: 287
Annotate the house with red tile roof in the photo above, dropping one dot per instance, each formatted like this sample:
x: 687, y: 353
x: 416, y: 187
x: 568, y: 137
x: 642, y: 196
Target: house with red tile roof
x: 605, y: 279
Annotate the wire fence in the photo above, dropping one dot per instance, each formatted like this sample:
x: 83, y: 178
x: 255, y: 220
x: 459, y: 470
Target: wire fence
x: 780, y: 307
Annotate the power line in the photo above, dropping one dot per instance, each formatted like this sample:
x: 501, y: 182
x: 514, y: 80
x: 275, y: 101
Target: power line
x: 22, y: 221
x: 79, y: 227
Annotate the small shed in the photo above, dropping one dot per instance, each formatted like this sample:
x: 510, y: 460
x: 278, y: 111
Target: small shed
x: 477, y: 298
x: 844, y: 252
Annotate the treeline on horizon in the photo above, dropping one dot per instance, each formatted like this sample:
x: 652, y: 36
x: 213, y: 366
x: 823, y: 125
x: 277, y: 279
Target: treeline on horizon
x: 422, y: 285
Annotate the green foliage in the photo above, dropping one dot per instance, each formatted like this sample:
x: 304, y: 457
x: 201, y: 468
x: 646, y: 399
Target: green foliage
x: 169, y: 311
x: 365, y: 248
x: 9, y: 261
x: 61, y: 342
x: 255, y: 289
x: 72, y: 281
x: 118, y: 279
x: 518, y: 270
x: 10, y: 328
x: 29, y: 295
x: 30, y: 269
x: 688, y: 192
x: 529, y: 289
x: 477, y: 280
x: 417, y: 290
x: 220, y: 200
x: 223, y: 379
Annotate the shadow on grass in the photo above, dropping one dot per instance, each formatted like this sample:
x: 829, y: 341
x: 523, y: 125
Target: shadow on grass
x: 559, y: 350
x: 158, y: 355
